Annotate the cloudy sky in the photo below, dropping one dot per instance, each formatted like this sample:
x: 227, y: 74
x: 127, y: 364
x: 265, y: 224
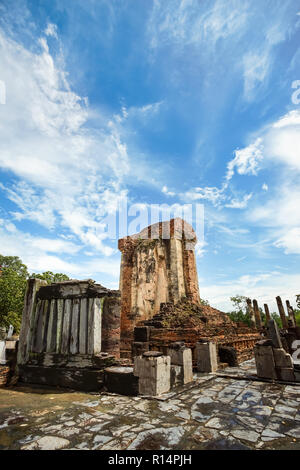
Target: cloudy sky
x: 157, y: 102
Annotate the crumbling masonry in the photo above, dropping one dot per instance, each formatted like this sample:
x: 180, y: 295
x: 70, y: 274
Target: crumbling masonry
x: 79, y: 334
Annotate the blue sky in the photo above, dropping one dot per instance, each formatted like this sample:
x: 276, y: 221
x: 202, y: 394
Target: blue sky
x: 157, y: 102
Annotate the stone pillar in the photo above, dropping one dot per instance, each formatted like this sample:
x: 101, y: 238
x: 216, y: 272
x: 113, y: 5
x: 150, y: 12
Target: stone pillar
x: 2, y: 353
x: 154, y: 373
x: 291, y: 313
x: 126, y: 321
x: 251, y: 312
x: 206, y: 357
x: 264, y: 359
x: 190, y: 275
x: 273, y: 334
x: 257, y: 314
x: 182, y: 356
x: 267, y: 312
x: 282, y: 313
x: 111, y: 325
x: 28, y: 320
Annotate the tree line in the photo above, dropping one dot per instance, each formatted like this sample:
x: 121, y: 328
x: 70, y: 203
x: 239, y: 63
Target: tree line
x: 13, y: 277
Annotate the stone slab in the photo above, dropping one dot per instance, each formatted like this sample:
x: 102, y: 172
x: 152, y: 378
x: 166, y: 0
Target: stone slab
x: 77, y: 379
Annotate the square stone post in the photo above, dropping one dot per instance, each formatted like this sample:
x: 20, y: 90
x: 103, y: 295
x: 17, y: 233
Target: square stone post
x: 206, y: 357
x: 264, y: 359
x: 154, y: 373
x: 182, y: 356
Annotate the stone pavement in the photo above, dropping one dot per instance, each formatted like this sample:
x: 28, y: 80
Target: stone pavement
x: 218, y: 413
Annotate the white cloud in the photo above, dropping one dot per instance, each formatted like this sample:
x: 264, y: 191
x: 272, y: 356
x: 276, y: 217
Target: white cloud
x: 239, y: 204
x: 184, y: 22
x: 51, y: 30
x: 264, y: 287
x: 166, y: 191
x: 213, y: 194
x: 246, y: 160
x: 256, y: 69
x: 38, y: 255
x: 290, y: 241
x: 265, y: 187
x: 66, y: 173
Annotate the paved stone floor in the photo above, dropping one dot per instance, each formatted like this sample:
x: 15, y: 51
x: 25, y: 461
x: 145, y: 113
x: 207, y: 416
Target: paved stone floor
x: 218, y: 413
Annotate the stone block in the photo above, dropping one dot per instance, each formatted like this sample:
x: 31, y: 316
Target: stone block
x: 206, y: 357
x: 154, y: 372
x: 265, y: 364
x: 182, y: 356
x: 142, y: 333
x: 138, y: 348
x: 176, y: 376
x: 282, y: 358
x: 273, y: 334
x: 121, y: 380
x: 286, y: 374
x: 88, y: 380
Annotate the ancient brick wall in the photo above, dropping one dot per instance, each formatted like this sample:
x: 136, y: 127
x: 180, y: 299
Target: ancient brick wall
x: 158, y: 266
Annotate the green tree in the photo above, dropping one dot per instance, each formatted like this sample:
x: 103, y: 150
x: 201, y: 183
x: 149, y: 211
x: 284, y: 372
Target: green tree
x: 277, y: 319
x: 13, y: 277
x: 50, y: 277
x: 240, y: 312
x: 15, y: 263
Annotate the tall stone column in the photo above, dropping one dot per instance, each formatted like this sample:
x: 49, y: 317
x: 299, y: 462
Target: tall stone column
x: 282, y: 313
x: 251, y: 312
x: 126, y: 326
x: 257, y: 314
x: 267, y: 312
x: 291, y: 313
x: 28, y: 323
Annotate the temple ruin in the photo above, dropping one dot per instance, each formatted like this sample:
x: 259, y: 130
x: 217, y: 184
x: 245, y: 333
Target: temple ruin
x: 79, y: 334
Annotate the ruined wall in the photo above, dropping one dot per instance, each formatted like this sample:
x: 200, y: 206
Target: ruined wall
x: 64, y: 333
x: 191, y: 322
x: 158, y: 266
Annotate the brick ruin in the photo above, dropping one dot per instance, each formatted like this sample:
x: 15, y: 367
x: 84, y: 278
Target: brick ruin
x: 160, y: 299
x: 74, y: 331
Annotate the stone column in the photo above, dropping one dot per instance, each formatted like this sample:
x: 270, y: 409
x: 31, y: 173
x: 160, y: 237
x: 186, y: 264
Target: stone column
x: 126, y: 322
x: 154, y: 373
x: 282, y: 313
x: 251, y: 312
x: 273, y: 334
x: 291, y: 313
x: 206, y: 357
x: 267, y: 312
x: 28, y: 323
x: 257, y: 314
x: 111, y: 325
